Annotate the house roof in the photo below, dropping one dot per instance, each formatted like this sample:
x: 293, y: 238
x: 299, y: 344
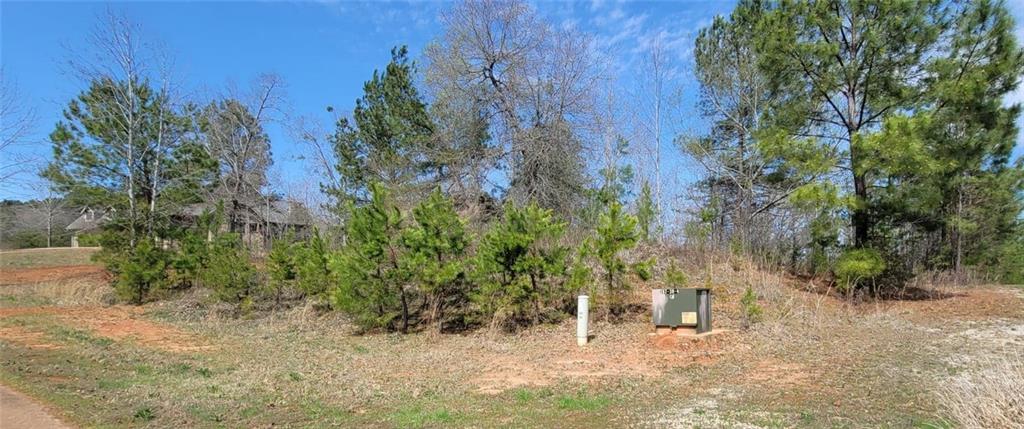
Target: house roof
x: 88, y: 220
x: 278, y: 212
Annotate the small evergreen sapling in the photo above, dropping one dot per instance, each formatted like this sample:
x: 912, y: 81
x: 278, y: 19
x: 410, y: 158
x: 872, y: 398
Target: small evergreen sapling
x: 280, y: 268
x: 312, y: 271
x: 646, y: 214
x: 435, y: 244
x: 519, y: 265
x: 371, y: 279
x: 616, y: 232
x: 229, y: 273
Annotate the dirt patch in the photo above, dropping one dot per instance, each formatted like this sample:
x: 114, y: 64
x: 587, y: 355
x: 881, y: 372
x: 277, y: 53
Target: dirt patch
x: 624, y: 350
x: 775, y: 373
x: 119, y: 323
x: 20, y: 276
x: 970, y: 304
x: 27, y: 338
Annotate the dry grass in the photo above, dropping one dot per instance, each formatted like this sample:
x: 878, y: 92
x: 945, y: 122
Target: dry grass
x: 990, y: 395
x: 47, y: 257
x: 813, y: 361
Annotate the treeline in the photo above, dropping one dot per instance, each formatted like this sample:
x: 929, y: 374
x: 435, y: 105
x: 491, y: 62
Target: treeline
x: 865, y: 142
x: 35, y: 223
x: 871, y: 139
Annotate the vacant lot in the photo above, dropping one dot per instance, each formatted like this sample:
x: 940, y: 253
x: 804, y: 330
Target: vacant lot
x: 812, y: 361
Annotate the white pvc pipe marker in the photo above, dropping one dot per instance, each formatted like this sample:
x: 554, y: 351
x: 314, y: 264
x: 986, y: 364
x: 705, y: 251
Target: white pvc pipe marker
x: 582, y: 313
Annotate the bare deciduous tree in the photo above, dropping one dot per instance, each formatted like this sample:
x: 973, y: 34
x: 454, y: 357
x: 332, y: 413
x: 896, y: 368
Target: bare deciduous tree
x: 537, y: 83
x: 16, y: 121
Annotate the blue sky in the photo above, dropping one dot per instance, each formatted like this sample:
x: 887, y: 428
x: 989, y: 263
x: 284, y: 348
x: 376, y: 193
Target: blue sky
x: 323, y: 50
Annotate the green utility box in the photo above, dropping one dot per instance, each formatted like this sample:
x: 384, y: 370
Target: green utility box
x: 682, y: 307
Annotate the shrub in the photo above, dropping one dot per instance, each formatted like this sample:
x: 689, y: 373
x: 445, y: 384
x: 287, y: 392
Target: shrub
x: 228, y: 271
x: 89, y: 240
x: 280, y: 268
x: 674, y: 277
x: 138, y: 271
x: 750, y: 310
x: 312, y: 272
x: 371, y: 284
x: 435, y: 245
x: 519, y: 266
x: 617, y: 232
x: 858, y: 265
x: 192, y: 257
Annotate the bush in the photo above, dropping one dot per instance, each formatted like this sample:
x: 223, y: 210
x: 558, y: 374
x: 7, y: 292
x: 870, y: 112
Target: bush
x: 228, y: 271
x: 138, y: 271
x: 371, y: 283
x: 280, y: 268
x: 435, y: 245
x: 750, y: 310
x: 674, y: 277
x: 519, y: 267
x: 856, y: 266
x: 192, y: 257
x: 312, y: 273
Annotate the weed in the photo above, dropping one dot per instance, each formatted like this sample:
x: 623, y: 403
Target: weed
x: 180, y: 368
x: 68, y: 334
x: 144, y: 414
x: 806, y: 417
x: 414, y: 417
x: 204, y: 372
x: 294, y: 376
x: 583, y: 401
x: 523, y: 394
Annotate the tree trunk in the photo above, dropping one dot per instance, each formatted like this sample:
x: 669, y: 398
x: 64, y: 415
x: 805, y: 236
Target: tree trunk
x: 405, y: 312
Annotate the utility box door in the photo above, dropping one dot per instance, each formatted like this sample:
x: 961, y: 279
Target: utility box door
x: 682, y: 307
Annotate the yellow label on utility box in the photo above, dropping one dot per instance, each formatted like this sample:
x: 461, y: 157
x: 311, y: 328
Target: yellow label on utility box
x: 689, y: 318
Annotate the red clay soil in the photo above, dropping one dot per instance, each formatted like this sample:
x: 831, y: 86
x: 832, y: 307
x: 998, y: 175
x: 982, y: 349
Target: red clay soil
x: 119, y: 323
x: 20, y: 276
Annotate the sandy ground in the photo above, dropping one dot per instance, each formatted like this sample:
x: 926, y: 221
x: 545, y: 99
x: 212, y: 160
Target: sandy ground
x: 20, y: 411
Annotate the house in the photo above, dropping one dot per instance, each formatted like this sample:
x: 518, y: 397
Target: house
x: 88, y: 220
x: 255, y: 224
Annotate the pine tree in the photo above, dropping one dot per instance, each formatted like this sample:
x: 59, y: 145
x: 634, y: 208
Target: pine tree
x: 371, y: 280
x: 616, y: 232
x: 281, y: 267
x: 646, y: 214
x: 312, y: 266
x: 519, y: 265
x: 386, y: 139
x: 435, y: 246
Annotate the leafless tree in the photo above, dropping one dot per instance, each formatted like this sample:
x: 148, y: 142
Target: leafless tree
x: 16, y: 121
x: 537, y: 83
x: 235, y: 136
x: 119, y: 56
x: 47, y: 210
x: 659, y: 98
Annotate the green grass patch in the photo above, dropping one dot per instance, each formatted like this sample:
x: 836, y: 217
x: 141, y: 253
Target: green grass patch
x: 583, y: 401
x: 524, y: 395
x: 144, y: 414
x: 318, y: 411
x: 417, y: 417
x: 80, y: 336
